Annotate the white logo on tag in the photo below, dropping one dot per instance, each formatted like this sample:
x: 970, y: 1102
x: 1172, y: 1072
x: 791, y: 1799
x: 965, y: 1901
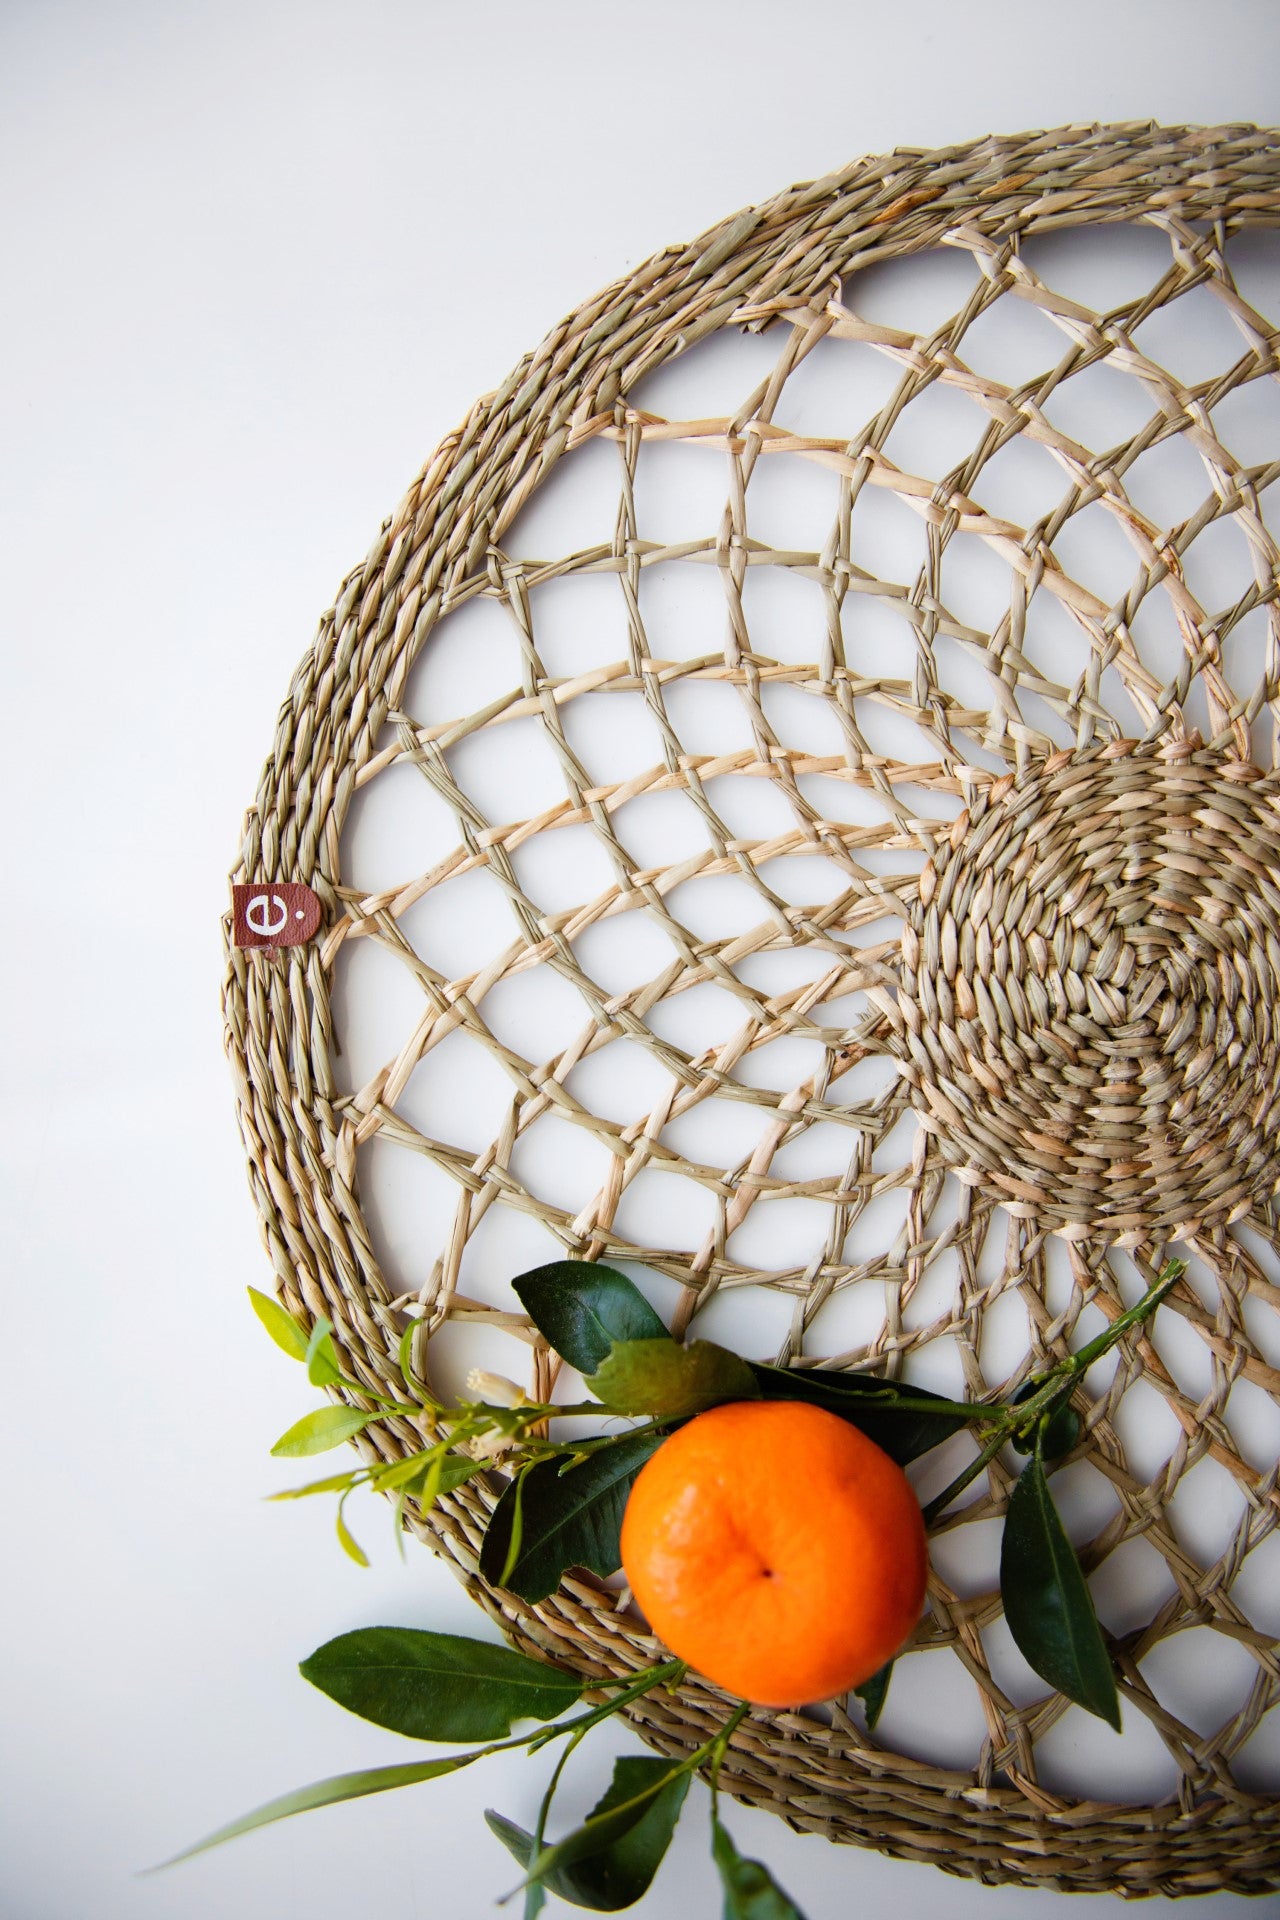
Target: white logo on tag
x: 260, y: 906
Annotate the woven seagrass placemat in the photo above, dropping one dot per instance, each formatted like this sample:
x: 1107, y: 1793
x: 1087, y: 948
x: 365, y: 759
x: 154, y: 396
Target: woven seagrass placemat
x: 1036, y: 1007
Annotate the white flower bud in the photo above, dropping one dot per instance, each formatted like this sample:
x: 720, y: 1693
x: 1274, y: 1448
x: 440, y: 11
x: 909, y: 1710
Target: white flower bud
x: 495, y: 1389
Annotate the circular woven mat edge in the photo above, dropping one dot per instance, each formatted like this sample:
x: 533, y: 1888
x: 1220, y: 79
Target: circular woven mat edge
x: 428, y: 557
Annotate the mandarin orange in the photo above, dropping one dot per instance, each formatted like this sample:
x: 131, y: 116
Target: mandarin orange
x: 777, y: 1550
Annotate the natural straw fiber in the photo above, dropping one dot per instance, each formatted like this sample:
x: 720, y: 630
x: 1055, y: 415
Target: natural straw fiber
x: 1087, y: 992
x: 1073, y: 1001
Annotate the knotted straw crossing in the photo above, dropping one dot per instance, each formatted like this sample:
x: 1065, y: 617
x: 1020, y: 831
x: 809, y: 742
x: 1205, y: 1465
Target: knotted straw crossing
x: 1087, y: 936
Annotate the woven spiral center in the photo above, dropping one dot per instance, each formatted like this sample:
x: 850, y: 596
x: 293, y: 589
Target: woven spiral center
x: 1089, y: 993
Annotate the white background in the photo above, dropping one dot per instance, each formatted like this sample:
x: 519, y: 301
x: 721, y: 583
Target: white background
x: 257, y: 260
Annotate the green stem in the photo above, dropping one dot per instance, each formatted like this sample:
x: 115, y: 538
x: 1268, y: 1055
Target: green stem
x: 545, y: 1809
x: 719, y: 1747
x: 413, y: 1409
x: 711, y: 1748
x: 971, y: 1472
x: 648, y: 1677
x: 718, y: 1753
x: 1133, y: 1316
x: 1056, y: 1386
x: 972, y: 1410
x: 599, y: 1440
x: 533, y: 1901
x: 667, y: 1670
x: 571, y: 1410
x: 536, y: 1450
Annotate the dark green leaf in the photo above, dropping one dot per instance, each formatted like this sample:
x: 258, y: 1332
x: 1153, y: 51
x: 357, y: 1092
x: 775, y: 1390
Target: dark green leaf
x: 583, y: 1308
x: 1058, y: 1432
x: 519, y: 1843
x: 670, y: 1382
x: 569, y: 1519
x: 326, y: 1793
x: 872, y: 1694
x: 322, y: 1359
x: 1047, y: 1602
x: 616, y: 1852
x: 283, y: 1328
x: 750, y: 1891
x: 614, y: 1871
x: 319, y: 1431
x: 873, y: 1406
x: 437, y: 1686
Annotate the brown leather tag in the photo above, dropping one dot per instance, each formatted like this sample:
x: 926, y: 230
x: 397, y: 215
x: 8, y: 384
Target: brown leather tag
x: 281, y: 913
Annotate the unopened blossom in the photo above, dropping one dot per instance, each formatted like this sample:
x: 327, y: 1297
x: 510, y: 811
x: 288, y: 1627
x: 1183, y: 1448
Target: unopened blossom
x: 495, y: 1389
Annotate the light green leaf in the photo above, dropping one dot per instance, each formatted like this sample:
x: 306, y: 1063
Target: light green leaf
x: 421, y: 1478
x: 437, y: 1686
x: 319, y: 1431
x: 666, y: 1381
x: 404, y: 1359
x: 426, y: 1490
x: 454, y: 1469
x: 350, y: 1545
x: 399, y: 1473
x: 422, y: 1487
x: 322, y: 1358
x: 335, y: 1483
x: 283, y: 1328
x: 515, y: 1526
x: 326, y: 1793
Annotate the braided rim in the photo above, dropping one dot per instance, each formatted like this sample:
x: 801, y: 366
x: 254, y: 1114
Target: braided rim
x: 431, y: 556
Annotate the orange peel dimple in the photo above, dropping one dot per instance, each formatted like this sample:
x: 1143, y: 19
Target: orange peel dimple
x: 777, y: 1550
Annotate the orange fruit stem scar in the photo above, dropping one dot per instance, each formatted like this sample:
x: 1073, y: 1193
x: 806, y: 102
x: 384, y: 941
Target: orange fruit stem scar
x: 777, y: 1550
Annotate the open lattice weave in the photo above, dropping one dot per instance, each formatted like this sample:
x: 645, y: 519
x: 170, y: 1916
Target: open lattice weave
x: 1051, y: 915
